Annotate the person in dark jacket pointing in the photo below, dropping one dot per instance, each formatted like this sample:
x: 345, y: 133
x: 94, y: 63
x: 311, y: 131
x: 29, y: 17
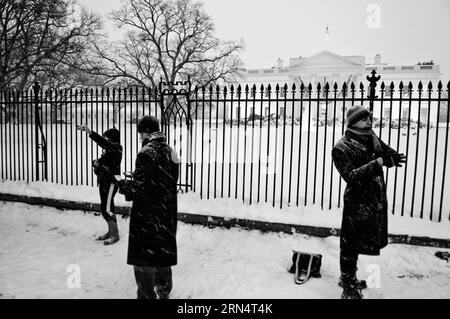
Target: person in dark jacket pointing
x: 152, y: 247
x: 359, y: 156
x: 105, y: 168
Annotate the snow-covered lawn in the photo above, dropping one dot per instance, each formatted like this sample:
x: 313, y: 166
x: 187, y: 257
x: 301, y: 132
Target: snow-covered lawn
x: 38, y: 244
x: 191, y: 202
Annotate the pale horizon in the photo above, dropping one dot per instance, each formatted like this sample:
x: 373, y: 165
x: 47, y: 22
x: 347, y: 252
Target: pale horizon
x: 410, y: 31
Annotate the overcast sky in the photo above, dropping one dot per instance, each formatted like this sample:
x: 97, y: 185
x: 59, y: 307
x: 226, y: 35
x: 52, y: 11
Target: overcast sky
x: 409, y: 31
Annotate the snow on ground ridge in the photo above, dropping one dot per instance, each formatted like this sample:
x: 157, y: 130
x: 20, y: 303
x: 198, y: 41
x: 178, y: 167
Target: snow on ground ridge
x: 310, y: 215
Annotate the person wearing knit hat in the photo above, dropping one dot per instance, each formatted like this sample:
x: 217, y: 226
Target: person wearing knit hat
x: 106, y: 167
x: 356, y: 113
x: 359, y: 157
x: 152, y: 246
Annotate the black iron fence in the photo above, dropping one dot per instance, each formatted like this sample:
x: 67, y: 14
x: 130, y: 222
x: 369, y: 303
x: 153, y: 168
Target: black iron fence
x: 258, y: 144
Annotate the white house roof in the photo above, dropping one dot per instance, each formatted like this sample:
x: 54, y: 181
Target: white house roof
x: 327, y: 58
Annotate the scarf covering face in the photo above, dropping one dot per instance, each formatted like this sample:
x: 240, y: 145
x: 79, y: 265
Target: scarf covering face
x: 360, y: 131
x: 364, y: 136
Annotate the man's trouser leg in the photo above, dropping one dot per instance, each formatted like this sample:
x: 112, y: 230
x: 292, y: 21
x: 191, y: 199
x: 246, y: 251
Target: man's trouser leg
x: 348, y: 262
x: 145, y: 280
x: 163, y: 282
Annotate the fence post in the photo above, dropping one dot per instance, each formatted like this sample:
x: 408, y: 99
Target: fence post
x: 373, y: 84
x: 36, y: 88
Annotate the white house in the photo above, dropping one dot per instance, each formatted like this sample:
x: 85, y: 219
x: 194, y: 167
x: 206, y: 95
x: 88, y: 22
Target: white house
x: 333, y: 68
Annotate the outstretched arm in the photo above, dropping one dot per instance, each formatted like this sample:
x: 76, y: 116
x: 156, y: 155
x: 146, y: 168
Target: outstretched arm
x: 392, y: 156
x: 102, y: 142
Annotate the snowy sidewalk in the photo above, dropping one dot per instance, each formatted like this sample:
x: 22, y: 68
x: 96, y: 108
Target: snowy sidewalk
x: 39, y: 243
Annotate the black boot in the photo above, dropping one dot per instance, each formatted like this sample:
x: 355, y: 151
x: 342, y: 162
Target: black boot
x: 105, y: 236
x: 360, y: 284
x: 348, y: 281
x: 351, y: 291
x: 114, y: 232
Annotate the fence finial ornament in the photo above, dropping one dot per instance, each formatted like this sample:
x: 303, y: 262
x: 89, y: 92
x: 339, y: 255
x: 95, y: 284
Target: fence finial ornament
x: 373, y: 79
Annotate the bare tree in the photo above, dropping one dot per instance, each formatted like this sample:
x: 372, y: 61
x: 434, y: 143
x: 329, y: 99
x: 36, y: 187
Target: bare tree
x: 43, y: 40
x: 38, y: 38
x: 172, y: 40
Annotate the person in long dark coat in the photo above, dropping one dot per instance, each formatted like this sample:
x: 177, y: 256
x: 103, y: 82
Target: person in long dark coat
x: 152, y: 248
x: 359, y: 157
x: 106, y: 167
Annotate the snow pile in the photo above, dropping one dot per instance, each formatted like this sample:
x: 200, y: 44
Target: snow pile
x: 310, y: 215
x: 39, y: 245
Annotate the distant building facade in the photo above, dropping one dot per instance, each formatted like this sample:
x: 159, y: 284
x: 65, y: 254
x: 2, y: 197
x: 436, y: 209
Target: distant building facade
x: 333, y: 68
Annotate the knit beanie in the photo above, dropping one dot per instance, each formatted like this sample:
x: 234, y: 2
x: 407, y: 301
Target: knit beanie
x: 148, y: 124
x: 356, y: 113
x: 113, y: 134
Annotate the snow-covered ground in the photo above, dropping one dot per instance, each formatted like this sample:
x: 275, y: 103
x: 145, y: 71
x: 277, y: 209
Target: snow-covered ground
x: 310, y: 215
x: 39, y: 245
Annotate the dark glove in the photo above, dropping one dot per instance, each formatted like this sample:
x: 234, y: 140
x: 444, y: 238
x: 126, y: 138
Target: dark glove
x: 399, y: 159
x: 388, y: 160
x: 127, y: 214
x: 125, y: 189
x: 121, y: 185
